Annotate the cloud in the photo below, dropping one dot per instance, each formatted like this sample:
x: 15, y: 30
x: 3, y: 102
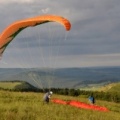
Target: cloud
x: 94, y: 34
x: 15, y: 1
x: 46, y: 10
x: 91, y: 60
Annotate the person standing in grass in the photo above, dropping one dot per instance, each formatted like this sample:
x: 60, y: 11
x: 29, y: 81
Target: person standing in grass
x: 92, y: 99
x: 47, y: 96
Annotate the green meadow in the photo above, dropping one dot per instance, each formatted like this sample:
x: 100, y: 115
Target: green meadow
x: 30, y: 106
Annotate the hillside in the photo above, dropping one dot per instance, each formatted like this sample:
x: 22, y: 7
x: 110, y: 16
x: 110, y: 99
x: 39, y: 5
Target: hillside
x: 113, y: 87
x: 17, y: 86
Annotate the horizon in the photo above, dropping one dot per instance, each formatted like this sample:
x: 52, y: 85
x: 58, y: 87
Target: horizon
x: 60, y: 67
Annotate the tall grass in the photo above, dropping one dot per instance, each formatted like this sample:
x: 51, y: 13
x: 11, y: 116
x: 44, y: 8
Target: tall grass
x: 29, y: 106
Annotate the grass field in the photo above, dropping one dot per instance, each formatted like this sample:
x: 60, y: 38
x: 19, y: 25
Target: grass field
x: 29, y: 106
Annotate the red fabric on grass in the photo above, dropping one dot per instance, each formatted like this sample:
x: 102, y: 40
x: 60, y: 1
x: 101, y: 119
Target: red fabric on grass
x: 79, y: 104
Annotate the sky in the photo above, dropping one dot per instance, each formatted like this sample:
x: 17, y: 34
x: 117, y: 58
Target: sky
x: 94, y: 38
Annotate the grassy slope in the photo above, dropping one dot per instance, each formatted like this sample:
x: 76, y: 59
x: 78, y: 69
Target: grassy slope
x: 113, y: 87
x: 9, y: 85
x: 29, y: 106
x: 15, y: 85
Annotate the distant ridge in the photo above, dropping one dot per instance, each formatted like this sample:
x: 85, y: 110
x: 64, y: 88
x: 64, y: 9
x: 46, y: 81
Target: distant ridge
x: 63, y: 77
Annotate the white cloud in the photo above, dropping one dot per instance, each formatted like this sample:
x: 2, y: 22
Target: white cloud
x: 90, y: 60
x: 46, y: 10
x: 15, y: 1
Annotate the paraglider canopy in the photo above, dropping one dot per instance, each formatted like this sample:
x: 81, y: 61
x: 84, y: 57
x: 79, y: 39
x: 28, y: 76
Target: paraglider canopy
x: 15, y: 28
x: 79, y: 104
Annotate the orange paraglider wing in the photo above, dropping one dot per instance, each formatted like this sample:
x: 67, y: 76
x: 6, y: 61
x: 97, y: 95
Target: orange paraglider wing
x: 14, y: 29
x: 79, y: 104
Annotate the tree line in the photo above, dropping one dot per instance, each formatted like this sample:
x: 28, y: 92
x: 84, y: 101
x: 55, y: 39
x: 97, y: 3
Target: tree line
x: 107, y: 96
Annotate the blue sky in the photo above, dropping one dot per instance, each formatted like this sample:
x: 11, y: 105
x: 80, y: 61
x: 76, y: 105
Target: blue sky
x: 94, y: 38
